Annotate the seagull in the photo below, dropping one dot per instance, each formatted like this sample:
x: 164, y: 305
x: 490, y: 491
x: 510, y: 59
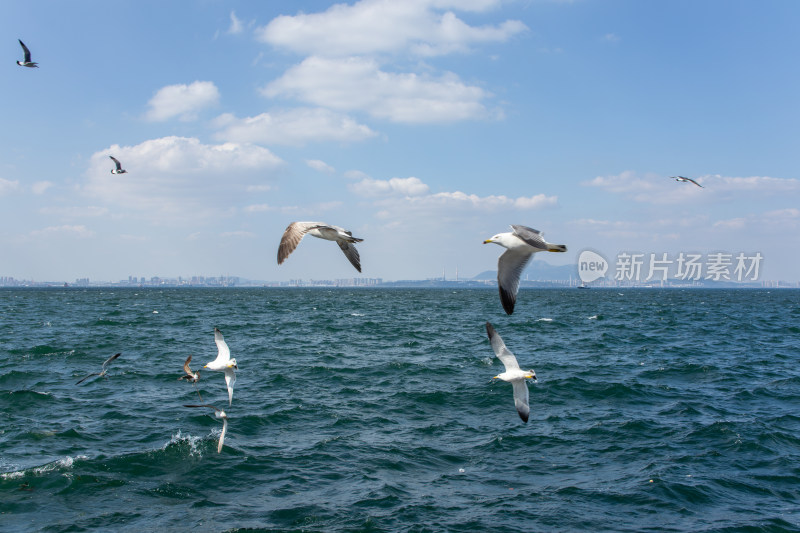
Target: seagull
x: 119, y: 169
x: 26, y: 62
x: 521, y: 244
x: 191, y: 377
x: 219, y: 413
x: 103, y: 371
x: 224, y: 362
x: 513, y: 373
x: 297, y: 230
x: 686, y: 180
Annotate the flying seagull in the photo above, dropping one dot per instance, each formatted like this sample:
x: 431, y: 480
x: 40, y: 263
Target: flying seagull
x: 521, y: 243
x: 219, y: 413
x: 119, y: 169
x: 191, y: 377
x: 103, y: 371
x: 224, y: 362
x: 686, y: 180
x: 26, y: 62
x: 513, y: 374
x: 297, y: 230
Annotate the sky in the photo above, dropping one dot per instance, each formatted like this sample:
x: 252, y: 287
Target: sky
x: 424, y: 127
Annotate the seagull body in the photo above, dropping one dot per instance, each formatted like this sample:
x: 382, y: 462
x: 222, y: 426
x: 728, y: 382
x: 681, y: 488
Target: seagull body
x: 224, y: 362
x: 26, y: 62
x: 297, y: 230
x: 686, y: 180
x: 513, y: 373
x: 520, y: 243
x: 102, y: 373
x: 219, y: 413
x: 119, y: 169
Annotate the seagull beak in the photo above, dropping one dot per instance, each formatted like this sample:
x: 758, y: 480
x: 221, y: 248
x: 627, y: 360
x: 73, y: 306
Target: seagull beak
x: 487, y: 241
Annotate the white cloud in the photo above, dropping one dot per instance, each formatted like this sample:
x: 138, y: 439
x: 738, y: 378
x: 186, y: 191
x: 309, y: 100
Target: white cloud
x: 75, y: 212
x: 236, y: 24
x: 180, y: 177
x: 320, y: 166
x: 358, y: 84
x: 81, y: 232
x: 403, y: 186
x: 292, y: 127
x: 182, y: 101
x: 385, y: 26
x: 41, y: 186
x: 7, y: 186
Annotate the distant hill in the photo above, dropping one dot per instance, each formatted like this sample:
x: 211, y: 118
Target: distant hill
x: 537, y: 271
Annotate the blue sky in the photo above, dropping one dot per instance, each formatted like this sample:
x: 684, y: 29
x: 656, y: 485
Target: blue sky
x: 423, y: 126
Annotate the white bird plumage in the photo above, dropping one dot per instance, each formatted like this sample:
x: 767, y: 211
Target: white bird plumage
x: 513, y: 373
x: 224, y: 363
x: 295, y: 232
x: 520, y: 243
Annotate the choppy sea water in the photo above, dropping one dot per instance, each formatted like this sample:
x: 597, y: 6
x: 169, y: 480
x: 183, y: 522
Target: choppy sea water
x: 374, y: 410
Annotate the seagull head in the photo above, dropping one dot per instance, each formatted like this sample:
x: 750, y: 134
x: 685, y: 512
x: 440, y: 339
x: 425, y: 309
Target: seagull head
x: 497, y: 239
x: 232, y: 364
x: 530, y: 374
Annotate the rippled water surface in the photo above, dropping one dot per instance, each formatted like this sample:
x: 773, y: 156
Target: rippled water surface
x: 374, y: 410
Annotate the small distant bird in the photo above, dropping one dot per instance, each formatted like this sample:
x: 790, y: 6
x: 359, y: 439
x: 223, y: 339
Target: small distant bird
x: 26, y: 62
x: 119, y: 169
x: 219, y: 413
x: 224, y: 362
x: 513, y: 373
x: 297, y: 230
x: 686, y: 180
x: 102, y: 373
x: 521, y: 243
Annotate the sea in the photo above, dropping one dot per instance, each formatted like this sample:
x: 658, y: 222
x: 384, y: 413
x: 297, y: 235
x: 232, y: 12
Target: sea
x: 366, y: 410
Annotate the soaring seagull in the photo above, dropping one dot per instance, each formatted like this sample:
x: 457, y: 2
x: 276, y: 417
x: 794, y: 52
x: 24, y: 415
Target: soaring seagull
x: 225, y: 363
x: 26, y: 62
x: 119, y: 169
x: 513, y: 373
x: 219, y: 413
x: 686, y: 180
x: 521, y: 243
x: 189, y: 376
x: 103, y: 371
x: 297, y: 230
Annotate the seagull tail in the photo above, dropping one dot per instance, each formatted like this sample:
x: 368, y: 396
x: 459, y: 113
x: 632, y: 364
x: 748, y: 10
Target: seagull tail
x: 556, y: 247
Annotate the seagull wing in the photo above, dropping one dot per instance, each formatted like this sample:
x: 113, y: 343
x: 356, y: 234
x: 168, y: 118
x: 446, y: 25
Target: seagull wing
x: 500, y: 350
x: 186, y: 366
x: 107, y: 361
x: 293, y: 235
x: 87, y: 377
x: 230, y: 379
x: 25, y: 51
x: 116, y: 162
x: 351, y: 253
x: 222, y: 435
x: 509, y: 268
x: 521, y: 398
x: 690, y: 179
x: 530, y: 236
x: 223, y: 353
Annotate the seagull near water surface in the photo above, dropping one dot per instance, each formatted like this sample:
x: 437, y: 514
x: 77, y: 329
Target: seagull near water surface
x: 520, y: 243
x: 513, y: 373
x: 686, y: 180
x: 297, y: 230
x: 102, y: 373
x: 118, y: 165
x: 219, y: 413
x: 26, y: 54
x: 224, y: 363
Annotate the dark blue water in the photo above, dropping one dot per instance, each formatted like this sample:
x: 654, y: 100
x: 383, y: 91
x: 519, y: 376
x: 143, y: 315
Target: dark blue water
x: 374, y: 410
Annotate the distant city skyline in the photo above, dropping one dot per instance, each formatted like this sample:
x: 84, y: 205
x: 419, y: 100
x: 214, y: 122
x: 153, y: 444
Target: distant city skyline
x: 423, y: 127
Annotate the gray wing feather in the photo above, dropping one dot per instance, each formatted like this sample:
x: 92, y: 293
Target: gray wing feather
x: 500, y: 350
x: 292, y: 236
x: 509, y: 268
x: 521, y: 399
x: 531, y: 236
x: 351, y: 253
